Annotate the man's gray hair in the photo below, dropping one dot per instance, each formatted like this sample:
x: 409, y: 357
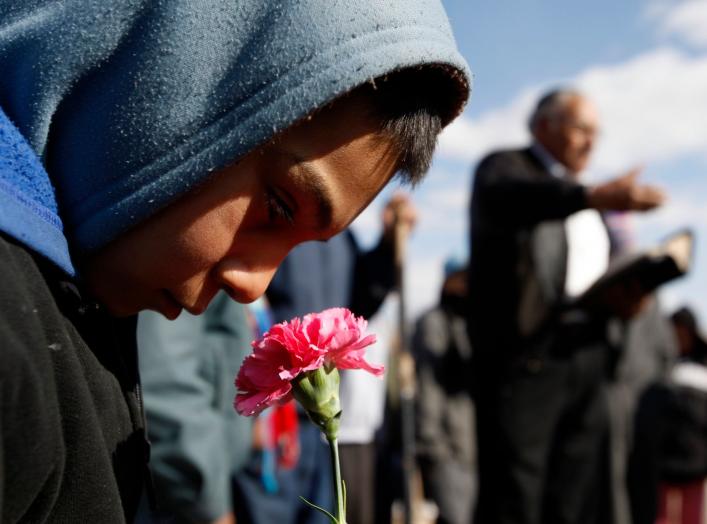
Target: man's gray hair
x: 551, y: 105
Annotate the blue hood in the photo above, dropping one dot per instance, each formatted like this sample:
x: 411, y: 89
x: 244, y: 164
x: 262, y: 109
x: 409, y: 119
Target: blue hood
x: 129, y: 104
x: 28, y: 208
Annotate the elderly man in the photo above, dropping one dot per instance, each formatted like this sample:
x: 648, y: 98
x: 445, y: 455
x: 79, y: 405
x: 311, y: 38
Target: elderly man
x: 537, y: 241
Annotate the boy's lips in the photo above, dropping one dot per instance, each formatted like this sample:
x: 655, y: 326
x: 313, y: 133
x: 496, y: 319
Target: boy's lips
x: 196, y: 307
x: 171, y: 308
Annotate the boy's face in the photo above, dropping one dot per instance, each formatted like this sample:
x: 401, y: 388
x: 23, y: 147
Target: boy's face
x: 232, y: 232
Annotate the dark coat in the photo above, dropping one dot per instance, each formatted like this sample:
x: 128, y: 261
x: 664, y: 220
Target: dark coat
x: 317, y: 276
x: 72, y: 446
x: 444, y: 410
x: 518, y: 251
x: 685, y: 446
x: 539, y: 368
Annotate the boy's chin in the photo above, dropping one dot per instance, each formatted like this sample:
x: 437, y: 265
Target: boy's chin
x: 168, y: 306
x: 163, y: 303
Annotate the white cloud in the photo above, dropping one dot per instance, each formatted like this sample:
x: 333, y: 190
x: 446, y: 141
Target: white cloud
x: 467, y: 140
x: 653, y: 109
x: 444, y: 206
x: 679, y: 211
x: 687, y: 20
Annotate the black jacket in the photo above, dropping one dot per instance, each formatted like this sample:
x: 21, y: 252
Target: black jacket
x: 518, y: 251
x: 72, y: 446
x: 684, y: 447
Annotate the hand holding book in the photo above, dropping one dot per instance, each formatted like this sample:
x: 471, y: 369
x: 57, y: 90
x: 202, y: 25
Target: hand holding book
x: 625, y: 286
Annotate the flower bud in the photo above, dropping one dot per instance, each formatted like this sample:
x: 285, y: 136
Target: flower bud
x: 318, y: 393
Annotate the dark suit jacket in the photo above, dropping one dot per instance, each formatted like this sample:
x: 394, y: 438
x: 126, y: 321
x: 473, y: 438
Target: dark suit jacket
x: 518, y: 253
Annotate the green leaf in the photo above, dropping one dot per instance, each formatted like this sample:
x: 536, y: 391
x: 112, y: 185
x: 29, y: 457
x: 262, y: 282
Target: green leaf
x: 312, y: 505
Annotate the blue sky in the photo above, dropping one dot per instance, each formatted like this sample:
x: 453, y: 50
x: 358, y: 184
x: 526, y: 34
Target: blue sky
x: 644, y: 63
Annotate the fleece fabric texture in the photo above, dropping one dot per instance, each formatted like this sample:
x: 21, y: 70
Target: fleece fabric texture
x: 131, y: 103
x: 72, y: 432
x: 28, y: 209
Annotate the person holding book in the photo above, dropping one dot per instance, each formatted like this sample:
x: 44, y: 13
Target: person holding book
x: 538, y: 242
x: 153, y: 154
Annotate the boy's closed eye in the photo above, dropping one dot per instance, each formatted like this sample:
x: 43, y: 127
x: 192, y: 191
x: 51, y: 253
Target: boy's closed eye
x: 277, y: 206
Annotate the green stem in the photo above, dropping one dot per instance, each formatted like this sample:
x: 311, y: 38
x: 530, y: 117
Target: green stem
x: 340, y: 508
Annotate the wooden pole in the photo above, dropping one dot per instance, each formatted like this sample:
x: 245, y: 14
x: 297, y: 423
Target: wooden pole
x: 406, y: 376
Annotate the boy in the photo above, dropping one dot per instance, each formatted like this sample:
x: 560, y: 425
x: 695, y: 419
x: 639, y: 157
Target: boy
x: 154, y: 153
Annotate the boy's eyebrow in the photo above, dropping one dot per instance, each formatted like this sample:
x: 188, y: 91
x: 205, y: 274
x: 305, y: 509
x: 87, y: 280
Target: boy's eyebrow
x: 313, y: 182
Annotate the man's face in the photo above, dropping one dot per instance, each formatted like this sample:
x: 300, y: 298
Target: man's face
x: 570, y: 136
x: 232, y: 232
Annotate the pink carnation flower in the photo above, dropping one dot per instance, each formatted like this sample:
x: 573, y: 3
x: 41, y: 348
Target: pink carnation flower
x: 341, y: 333
x: 334, y: 337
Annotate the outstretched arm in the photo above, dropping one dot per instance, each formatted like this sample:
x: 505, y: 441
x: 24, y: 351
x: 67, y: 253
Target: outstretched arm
x: 374, y: 274
x: 504, y: 190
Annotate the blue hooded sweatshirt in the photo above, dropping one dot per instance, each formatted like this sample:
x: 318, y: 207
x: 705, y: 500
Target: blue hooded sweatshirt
x: 111, y: 110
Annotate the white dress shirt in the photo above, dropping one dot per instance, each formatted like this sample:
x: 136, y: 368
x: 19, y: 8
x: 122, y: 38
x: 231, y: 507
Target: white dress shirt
x: 587, y: 239
x: 362, y: 395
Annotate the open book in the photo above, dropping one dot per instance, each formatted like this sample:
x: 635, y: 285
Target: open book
x: 648, y: 269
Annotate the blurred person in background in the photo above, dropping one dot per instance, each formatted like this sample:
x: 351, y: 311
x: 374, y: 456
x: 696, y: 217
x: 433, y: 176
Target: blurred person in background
x: 199, y: 442
x: 444, y: 420
x: 279, y: 468
x: 338, y: 273
x: 539, y: 371
x: 644, y: 358
x: 363, y: 398
x: 669, y: 463
x: 691, y: 342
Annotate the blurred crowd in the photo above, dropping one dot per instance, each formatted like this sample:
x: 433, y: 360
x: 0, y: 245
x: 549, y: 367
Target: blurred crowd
x: 532, y: 403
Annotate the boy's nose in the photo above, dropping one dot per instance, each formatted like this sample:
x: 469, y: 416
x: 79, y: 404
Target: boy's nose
x: 244, y: 284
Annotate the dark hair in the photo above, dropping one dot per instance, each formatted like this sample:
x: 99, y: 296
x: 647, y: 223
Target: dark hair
x: 413, y: 106
x: 685, y: 317
x: 551, y: 105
